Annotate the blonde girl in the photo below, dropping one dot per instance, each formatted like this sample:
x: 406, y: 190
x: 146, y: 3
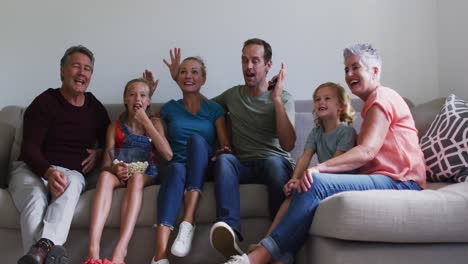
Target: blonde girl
x: 331, y: 137
x: 134, y: 130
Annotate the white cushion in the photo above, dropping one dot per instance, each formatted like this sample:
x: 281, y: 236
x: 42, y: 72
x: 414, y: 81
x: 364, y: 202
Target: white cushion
x: 398, y: 216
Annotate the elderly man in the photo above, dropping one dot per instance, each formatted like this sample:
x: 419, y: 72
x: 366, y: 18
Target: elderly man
x: 61, y: 130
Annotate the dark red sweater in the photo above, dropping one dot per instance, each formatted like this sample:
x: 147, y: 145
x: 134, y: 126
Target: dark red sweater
x: 58, y: 133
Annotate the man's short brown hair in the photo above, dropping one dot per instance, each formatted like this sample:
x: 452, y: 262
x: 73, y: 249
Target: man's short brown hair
x: 266, y: 47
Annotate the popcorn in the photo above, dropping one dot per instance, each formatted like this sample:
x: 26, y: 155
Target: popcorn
x: 134, y: 167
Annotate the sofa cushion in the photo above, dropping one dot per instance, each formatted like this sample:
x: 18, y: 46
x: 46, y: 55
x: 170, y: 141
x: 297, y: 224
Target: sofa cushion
x: 399, y: 216
x: 445, y: 144
x: 304, y: 124
x: 7, y: 133
x: 11, y: 119
x: 423, y: 114
x: 254, y: 204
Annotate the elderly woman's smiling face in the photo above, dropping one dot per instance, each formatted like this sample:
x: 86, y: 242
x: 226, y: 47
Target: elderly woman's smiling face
x: 361, y: 80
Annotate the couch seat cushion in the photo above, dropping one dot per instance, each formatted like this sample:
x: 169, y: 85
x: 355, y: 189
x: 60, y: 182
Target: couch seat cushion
x: 254, y: 204
x: 396, y: 216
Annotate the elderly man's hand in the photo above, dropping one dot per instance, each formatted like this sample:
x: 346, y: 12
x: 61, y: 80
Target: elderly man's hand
x: 57, y: 182
x: 94, y: 155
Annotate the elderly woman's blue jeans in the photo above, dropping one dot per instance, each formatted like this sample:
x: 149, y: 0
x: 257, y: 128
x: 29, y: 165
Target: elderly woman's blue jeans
x: 292, y: 231
x: 179, y: 177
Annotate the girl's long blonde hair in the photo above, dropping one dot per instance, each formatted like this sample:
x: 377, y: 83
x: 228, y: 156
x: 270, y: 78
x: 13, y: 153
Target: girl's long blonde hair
x: 347, y: 115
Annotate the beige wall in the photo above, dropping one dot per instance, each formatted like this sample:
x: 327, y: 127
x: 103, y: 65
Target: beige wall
x: 453, y: 47
x: 129, y: 36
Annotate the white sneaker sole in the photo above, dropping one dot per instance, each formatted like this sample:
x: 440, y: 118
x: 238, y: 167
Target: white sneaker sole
x: 223, y: 239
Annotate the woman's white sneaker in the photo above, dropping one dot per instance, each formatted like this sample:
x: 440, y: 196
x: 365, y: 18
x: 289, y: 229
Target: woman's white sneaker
x: 239, y: 259
x: 161, y: 261
x: 183, y: 241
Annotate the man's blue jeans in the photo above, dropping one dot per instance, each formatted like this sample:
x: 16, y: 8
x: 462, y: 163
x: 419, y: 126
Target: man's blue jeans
x: 291, y: 233
x: 229, y: 172
x: 180, y: 177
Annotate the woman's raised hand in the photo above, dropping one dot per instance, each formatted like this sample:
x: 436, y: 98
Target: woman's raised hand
x: 175, y: 62
x: 148, y: 76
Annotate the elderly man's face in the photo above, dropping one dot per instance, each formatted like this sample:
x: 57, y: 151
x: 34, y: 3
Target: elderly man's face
x: 76, y: 73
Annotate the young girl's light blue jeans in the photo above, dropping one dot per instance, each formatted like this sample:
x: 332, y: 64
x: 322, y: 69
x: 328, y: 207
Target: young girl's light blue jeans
x: 292, y: 231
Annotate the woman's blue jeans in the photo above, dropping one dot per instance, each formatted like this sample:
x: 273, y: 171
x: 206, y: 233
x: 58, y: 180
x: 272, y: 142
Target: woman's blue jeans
x: 179, y: 177
x: 229, y: 172
x: 292, y: 231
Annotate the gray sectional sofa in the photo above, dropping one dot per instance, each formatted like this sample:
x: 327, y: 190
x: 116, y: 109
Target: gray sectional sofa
x: 382, y: 227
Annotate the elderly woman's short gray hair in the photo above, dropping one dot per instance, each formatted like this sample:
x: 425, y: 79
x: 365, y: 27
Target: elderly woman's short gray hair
x: 368, y: 54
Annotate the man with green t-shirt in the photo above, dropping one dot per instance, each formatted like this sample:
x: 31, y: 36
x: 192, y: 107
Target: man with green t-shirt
x: 262, y: 134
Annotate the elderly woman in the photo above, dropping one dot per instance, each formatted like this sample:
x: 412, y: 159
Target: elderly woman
x: 387, y: 156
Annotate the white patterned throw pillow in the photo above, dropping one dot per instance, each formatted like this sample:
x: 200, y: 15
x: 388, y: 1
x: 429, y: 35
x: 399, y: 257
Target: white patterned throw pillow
x: 445, y: 144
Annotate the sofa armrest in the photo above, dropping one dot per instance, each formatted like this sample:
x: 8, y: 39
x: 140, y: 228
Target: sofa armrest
x: 396, y: 216
x: 10, y: 216
x: 7, y: 134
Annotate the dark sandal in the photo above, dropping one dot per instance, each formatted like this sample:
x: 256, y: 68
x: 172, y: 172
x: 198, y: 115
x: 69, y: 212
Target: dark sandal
x: 57, y: 255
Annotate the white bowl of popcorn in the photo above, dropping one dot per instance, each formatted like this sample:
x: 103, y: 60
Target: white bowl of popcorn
x: 136, y: 159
